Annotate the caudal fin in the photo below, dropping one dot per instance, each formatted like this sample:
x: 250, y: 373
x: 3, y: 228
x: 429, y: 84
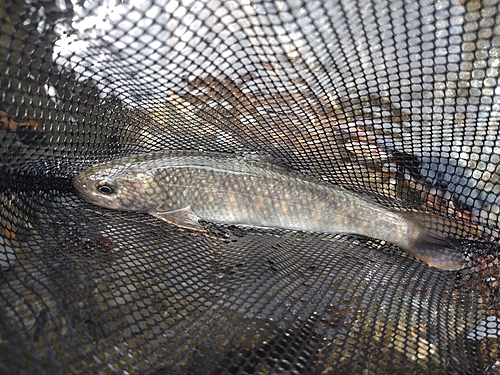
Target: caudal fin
x: 430, y: 244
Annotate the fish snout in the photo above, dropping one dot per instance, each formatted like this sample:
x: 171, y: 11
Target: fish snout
x: 88, y: 188
x: 79, y: 183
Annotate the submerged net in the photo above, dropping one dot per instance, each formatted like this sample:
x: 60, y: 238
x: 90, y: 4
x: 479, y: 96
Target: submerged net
x: 394, y: 99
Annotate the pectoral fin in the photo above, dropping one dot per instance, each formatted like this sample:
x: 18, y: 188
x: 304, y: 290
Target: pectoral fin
x: 184, y: 218
x: 265, y: 159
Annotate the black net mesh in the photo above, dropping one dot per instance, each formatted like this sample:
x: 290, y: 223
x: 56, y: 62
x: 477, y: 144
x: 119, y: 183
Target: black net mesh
x: 394, y: 99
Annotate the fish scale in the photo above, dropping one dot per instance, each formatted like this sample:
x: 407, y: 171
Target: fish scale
x: 183, y: 187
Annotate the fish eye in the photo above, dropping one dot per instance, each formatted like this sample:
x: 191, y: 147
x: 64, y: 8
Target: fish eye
x: 106, y: 186
x: 105, y: 189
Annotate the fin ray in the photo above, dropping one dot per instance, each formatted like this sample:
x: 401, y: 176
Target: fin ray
x: 431, y: 244
x: 183, y: 218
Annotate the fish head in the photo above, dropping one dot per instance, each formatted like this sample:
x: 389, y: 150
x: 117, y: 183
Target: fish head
x: 118, y: 187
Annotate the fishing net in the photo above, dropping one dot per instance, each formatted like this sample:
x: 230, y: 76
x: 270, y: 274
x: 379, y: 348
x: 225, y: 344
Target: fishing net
x: 397, y: 100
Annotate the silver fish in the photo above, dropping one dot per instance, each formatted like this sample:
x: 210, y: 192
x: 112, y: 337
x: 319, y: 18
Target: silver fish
x: 182, y: 187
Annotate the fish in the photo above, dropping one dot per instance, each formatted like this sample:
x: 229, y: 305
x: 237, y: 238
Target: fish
x: 182, y: 187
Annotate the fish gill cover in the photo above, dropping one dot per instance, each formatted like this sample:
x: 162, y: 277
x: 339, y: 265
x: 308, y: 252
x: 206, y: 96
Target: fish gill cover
x: 395, y: 100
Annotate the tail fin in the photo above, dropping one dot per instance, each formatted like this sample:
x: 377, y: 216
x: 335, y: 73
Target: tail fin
x: 429, y: 242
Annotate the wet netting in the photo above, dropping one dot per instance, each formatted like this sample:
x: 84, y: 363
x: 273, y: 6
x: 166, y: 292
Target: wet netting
x: 395, y: 100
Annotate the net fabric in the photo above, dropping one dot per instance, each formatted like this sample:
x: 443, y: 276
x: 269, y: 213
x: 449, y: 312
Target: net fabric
x: 394, y: 99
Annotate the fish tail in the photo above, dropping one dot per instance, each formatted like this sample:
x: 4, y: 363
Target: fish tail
x: 429, y: 241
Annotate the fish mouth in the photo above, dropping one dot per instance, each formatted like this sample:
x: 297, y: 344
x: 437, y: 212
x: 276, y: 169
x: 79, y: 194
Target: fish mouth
x: 79, y: 184
x: 82, y: 185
